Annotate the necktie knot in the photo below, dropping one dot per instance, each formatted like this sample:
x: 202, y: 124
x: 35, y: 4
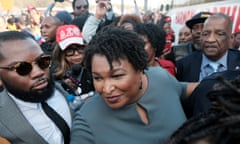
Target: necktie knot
x: 214, y: 66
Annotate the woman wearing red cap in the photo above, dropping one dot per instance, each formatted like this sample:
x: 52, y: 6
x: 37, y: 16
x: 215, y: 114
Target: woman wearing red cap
x: 67, y: 59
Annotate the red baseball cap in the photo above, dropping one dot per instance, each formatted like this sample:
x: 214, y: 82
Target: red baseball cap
x: 67, y: 35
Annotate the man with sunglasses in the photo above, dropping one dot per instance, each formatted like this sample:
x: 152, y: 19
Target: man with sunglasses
x: 28, y: 89
x: 80, y: 7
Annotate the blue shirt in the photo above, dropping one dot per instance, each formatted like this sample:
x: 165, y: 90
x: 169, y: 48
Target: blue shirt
x: 206, y: 69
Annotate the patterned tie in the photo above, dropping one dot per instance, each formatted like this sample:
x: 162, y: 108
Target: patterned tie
x: 214, y: 67
x: 211, y: 68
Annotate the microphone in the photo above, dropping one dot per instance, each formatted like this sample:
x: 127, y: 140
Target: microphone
x: 74, y: 74
x: 68, y: 88
x: 76, y: 69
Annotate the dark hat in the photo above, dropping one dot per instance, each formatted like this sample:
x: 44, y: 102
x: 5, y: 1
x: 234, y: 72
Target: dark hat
x: 64, y: 16
x: 198, y: 18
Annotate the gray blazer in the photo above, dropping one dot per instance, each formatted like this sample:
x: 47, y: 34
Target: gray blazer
x: 14, y: 126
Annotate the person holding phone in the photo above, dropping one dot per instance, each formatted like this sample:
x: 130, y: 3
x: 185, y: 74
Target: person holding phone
x: 103, y: 16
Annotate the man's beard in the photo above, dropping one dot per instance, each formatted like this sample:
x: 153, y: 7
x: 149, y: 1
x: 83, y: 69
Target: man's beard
x: 31, y: 96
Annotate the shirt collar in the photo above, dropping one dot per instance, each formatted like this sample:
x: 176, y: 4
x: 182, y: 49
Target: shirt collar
x: 222, y: 60
x: 23, y: 103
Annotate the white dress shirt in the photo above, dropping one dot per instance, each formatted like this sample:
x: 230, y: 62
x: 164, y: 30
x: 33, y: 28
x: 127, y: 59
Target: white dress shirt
x: 41, y: 122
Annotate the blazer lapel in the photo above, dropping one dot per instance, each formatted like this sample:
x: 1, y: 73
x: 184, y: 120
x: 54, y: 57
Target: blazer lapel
x: 196, y: 67
x: 13, y: 118
x: 233, y: 60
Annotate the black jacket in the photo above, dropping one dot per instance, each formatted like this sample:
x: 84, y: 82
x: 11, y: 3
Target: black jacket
x: 198, y: 102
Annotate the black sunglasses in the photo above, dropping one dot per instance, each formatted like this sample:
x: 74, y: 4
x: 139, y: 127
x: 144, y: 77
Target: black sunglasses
x: 70, y: 51
x: 24, y: 68
x: 84, y: 6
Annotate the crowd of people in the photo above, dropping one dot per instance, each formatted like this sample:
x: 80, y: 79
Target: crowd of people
x: 134, y: 84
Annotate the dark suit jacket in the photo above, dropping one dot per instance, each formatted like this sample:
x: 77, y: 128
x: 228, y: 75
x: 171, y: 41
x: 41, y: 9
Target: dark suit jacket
x: 199, y: 101
x: 189, y: 67
x: 14, y: 126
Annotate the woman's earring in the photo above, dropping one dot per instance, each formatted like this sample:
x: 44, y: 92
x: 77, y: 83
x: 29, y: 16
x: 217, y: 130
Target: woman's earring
x: 140, y: 87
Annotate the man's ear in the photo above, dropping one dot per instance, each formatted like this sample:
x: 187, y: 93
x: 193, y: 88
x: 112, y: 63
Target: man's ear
x: 1, y: 84
x: 231, y: 40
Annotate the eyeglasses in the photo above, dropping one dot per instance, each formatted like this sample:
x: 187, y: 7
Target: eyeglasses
x: 81, y: 6
x: 24, y: 68
x: 70, y: 51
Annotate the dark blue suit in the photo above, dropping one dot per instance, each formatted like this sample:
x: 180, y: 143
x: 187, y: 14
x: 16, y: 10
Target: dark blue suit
x: 188, y: 69
x: 198, y: 101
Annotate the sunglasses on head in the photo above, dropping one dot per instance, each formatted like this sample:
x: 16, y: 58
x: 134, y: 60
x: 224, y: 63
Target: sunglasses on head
x: 82, y: 6
x: 24, y: 68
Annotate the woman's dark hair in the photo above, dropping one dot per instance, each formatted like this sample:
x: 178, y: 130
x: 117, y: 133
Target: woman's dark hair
x: 164, y: 19
x: 132, y: 18
x: 155, y: 34
x: 221, y: 125
x: 116, y: 43
x: 60, y: 64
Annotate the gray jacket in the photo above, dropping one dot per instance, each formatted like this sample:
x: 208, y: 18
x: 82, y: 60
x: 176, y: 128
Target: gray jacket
x: 13, y: 125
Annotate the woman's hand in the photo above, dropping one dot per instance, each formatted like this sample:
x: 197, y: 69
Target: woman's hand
x: 70, y: 83
x: 101, y: 9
